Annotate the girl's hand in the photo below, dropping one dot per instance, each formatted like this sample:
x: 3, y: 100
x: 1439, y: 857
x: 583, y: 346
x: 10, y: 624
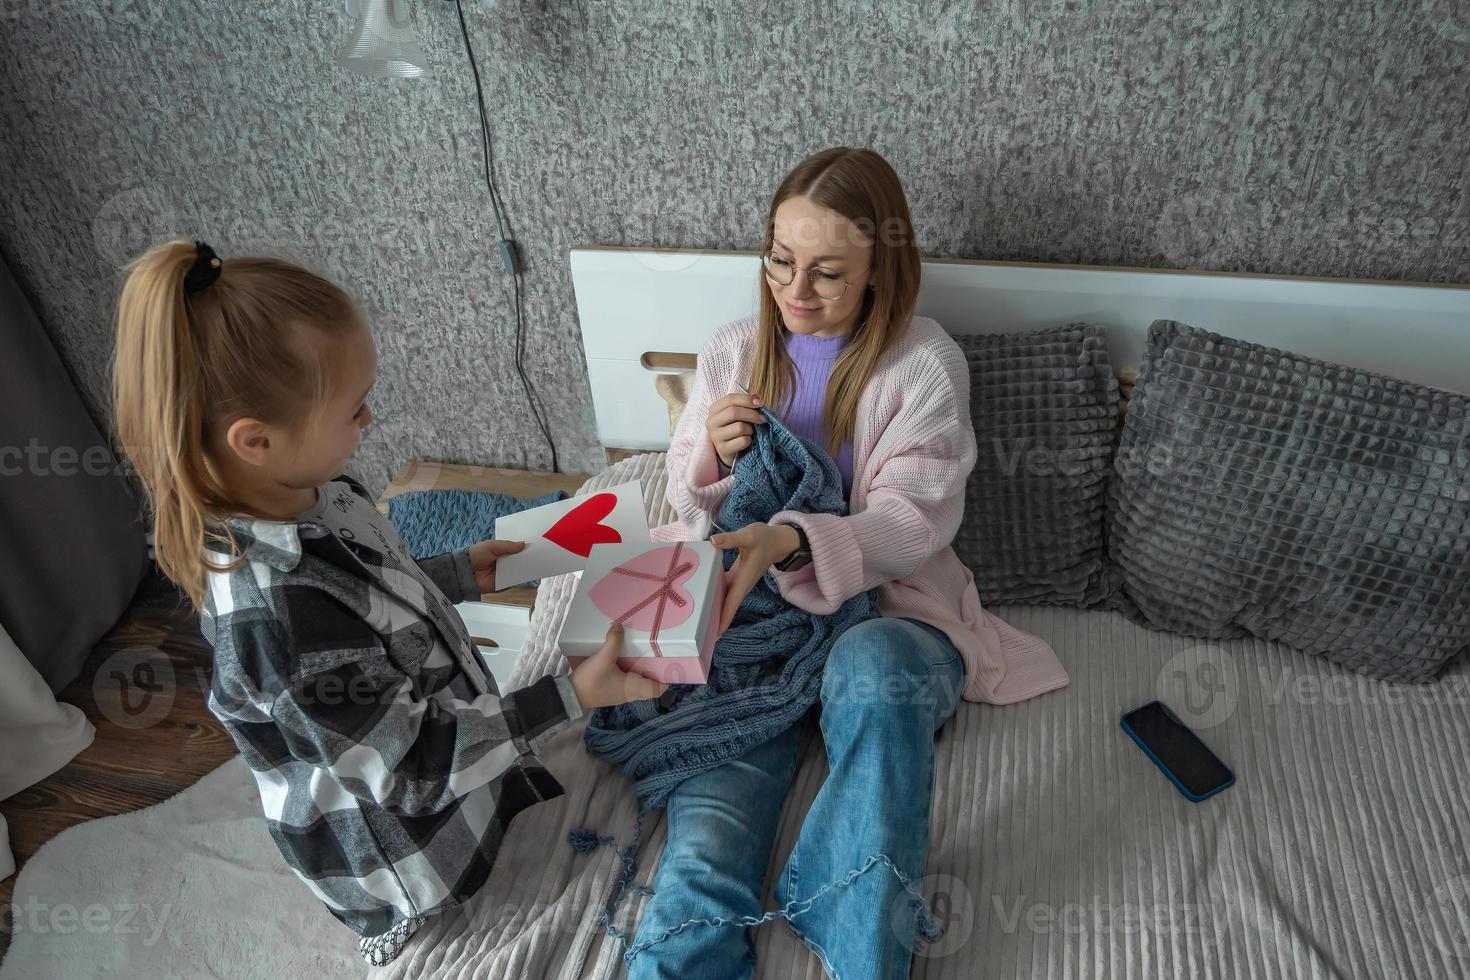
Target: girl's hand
x: 483, y: 557
x: 599, y: 681
x: 730, y: 425
x: 761, y: 546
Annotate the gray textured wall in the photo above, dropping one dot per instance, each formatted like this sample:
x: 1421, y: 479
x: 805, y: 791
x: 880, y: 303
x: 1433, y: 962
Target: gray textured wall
x: 1321, y: 138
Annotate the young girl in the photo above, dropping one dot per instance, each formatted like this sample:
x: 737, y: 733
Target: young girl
x: 837, y: 354
x: 388, y: 763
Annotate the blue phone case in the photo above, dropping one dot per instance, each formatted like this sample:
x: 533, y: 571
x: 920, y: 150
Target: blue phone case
x: 1123, y: 723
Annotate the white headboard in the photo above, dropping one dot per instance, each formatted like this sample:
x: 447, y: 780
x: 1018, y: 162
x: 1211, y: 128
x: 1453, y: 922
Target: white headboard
x: 634, y: 301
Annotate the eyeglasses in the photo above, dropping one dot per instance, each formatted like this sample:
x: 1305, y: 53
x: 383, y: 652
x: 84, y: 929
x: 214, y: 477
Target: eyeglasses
x: 826, y: 285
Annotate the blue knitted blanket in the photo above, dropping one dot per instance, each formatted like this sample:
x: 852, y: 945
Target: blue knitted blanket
x: 432, y: 522
x: 766, y: 670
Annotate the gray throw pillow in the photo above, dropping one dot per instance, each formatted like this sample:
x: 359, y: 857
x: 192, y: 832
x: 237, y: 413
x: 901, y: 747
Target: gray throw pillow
x: 72, y: 551
x: 1325, y: 507
x: 1045, y: 411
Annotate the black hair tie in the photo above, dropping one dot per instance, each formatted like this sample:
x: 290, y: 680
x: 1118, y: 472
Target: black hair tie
x: 205, y: 270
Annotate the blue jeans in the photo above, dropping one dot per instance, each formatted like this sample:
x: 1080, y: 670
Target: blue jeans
x: 888, y: 686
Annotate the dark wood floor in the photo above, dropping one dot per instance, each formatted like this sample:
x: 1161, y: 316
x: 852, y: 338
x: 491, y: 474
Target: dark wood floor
x: 144, y: 688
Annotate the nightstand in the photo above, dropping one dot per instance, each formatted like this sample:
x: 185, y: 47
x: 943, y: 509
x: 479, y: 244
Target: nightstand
x: 499, y: 620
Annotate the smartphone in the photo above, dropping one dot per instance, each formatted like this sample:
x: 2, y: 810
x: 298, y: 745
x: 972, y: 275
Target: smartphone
x: 1188, y: 762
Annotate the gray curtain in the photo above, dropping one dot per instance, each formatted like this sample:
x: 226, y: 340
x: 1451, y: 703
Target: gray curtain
x: 72, y: 548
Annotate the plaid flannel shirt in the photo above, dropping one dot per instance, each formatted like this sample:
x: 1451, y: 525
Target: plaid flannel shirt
x: 388, y: 764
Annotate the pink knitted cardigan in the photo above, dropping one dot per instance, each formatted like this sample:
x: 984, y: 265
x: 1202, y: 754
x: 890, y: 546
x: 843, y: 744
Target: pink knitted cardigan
x: 913, y: 448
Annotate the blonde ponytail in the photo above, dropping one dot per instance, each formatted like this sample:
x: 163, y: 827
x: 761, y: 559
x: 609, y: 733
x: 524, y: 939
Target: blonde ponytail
x: 186, y: 365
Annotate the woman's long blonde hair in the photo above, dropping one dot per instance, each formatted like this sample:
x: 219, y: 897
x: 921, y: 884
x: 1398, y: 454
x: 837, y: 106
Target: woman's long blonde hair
x: 861, y: 186
x: 187, y: 366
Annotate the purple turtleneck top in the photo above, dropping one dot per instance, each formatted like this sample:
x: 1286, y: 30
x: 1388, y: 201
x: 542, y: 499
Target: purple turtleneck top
x: 802, y: 413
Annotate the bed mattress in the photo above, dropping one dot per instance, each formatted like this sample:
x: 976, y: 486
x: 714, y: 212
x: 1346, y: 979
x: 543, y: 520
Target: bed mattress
x: 1057, y: 849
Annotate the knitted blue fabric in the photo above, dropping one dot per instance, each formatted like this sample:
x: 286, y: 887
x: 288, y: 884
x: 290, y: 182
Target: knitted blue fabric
x: 432, y: 522
x: 766, y: 670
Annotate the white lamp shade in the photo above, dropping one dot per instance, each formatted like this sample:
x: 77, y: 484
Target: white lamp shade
x: 384, y: 42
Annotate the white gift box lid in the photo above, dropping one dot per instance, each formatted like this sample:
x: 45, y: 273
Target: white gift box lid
x: 586, y: 625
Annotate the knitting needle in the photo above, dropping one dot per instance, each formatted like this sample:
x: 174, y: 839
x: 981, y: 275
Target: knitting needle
x: 746, y: 391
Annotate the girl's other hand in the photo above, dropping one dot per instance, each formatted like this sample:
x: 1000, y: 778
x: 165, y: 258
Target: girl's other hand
x: 483, y: 557
x: 761, y: 546
x: 599, y: 681
x: 731, y: 424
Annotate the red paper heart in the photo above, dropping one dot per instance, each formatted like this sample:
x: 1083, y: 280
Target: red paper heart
x: 580, y: 528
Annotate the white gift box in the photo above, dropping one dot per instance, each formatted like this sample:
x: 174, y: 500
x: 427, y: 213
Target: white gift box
x: 668, y: 596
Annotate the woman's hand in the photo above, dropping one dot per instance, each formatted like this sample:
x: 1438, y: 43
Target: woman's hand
x: 599, y: 681
x: 731, y: 424
x: 483, y: 557
x: 761, y: 546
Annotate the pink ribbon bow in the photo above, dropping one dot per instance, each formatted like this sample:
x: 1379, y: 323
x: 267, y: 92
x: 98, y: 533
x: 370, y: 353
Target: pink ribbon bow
x: 663, y: 595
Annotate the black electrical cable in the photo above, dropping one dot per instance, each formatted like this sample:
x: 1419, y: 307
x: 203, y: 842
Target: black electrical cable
x: 508, y: 256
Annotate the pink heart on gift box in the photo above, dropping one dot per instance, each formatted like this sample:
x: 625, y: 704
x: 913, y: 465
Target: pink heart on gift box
x: 644, y: 582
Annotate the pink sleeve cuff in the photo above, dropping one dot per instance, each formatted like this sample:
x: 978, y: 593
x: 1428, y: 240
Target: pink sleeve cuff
x: 675, y: 530
x: 703, y: 487
x: 835, y: 573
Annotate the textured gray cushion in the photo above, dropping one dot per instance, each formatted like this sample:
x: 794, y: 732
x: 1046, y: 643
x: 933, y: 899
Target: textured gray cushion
x: 1325, y: 507
x: 1045, y: 411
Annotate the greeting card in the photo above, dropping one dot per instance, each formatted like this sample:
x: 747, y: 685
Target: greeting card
x: 560, y: 536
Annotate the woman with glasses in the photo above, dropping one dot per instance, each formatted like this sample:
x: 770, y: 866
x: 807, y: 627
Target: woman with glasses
x: 837, y: 355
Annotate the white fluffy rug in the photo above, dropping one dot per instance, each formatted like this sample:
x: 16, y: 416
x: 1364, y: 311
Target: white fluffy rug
x: 103, y: 899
